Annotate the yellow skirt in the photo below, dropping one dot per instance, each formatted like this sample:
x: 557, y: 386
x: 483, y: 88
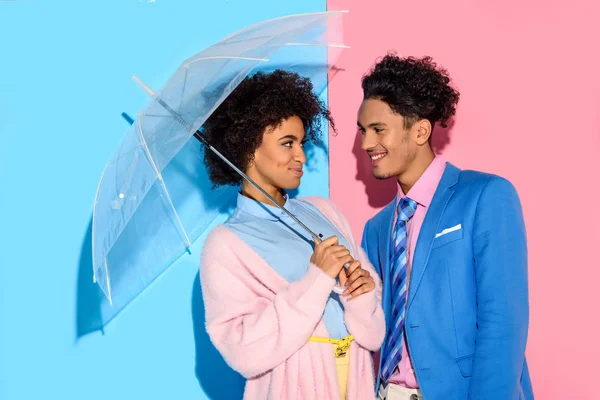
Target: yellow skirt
x: 341, y: 349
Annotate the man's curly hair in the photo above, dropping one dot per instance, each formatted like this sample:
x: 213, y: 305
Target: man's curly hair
x: 261, y: 101
x: 412, y: 87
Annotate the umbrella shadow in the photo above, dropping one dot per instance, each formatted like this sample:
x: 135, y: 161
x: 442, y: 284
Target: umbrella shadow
x: 188, y: 164
x: 89, y: 296
x: 216, y: 378
x: 212, y: 372
x: 382, y: 191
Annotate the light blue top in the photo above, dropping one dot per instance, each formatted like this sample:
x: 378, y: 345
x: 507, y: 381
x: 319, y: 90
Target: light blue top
x: 286, y: 246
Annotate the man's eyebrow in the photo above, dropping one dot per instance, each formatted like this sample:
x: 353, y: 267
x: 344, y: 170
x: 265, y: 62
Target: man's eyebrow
x: 372, y: 124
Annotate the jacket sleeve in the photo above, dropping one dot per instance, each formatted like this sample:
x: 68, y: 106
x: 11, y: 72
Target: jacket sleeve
x: 368, y: 250
x: 500, y: 252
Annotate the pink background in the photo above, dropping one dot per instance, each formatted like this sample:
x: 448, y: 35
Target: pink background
x: 528, y: 73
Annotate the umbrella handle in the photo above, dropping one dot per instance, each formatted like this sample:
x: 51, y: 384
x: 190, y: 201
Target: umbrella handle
x: 337, y: 288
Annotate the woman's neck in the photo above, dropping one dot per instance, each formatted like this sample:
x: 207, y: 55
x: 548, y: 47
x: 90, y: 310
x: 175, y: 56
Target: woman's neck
x: 250, y: 191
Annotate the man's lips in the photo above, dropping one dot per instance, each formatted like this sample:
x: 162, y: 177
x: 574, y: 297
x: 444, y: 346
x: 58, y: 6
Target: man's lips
x: 377, y: 157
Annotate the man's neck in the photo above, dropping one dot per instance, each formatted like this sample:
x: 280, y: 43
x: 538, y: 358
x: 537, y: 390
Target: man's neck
x: 419, y: 165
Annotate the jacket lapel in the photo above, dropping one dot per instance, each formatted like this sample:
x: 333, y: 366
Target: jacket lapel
x: 385, y: 237
x: 429, y: 228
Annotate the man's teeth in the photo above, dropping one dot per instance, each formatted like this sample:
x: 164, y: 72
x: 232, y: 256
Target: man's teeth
x: 377, y: 156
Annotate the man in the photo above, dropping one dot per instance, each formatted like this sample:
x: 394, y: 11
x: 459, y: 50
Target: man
x: 450, y: 248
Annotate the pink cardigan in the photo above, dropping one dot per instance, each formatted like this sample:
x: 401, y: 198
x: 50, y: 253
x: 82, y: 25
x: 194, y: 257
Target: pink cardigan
x: 260, y: 323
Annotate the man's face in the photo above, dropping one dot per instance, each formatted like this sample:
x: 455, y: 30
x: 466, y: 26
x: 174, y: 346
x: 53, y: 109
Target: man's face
x: 385, y: 139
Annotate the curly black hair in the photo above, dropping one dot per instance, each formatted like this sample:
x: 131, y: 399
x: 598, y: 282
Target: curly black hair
x: 260, y: 101
x: 412, y: 87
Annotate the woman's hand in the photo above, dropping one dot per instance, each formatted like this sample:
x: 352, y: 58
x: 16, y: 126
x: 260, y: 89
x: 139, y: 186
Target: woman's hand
x: 330, y: 256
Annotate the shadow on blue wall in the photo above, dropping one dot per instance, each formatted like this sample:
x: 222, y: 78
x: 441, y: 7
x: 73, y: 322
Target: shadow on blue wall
x: 89, y: 294
x: 217, y: 380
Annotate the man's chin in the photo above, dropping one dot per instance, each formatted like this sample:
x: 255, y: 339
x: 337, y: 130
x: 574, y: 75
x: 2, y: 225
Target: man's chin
x: 381, y: 176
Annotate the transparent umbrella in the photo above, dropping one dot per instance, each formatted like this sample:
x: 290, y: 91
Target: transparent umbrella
x: 154, y: 198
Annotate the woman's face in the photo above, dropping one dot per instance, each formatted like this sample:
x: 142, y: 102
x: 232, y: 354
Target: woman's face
x: 279, y: 159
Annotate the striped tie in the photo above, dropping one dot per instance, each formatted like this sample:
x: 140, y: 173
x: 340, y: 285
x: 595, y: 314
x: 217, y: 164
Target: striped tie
x: 393, y: 348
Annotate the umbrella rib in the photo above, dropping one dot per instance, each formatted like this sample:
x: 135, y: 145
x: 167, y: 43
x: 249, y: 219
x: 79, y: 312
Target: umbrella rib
x: 191, y: 61
x: 331, y: 12
x: 94, y: 219
x: 265, y: 40
x: 160, y: 178
x: 341, y: 46
x: 109, y: 294
x: 108, y: 282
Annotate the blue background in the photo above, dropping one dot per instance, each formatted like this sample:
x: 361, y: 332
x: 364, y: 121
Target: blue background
x: 65, y: 81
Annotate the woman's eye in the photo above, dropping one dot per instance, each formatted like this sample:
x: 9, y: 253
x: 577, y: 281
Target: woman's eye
x: 288, y: 144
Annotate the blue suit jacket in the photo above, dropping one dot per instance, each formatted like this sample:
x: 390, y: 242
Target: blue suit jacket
x: 467, y: 312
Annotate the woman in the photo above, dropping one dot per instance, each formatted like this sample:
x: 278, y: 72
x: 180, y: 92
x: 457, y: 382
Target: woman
x: 270, y: 309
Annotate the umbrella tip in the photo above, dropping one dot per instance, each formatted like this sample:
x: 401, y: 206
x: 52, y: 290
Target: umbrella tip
x: 146, y: 88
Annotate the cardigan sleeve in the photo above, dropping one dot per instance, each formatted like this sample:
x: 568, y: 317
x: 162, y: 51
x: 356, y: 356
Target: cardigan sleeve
x: 363, y: 315
x: 255, y: 333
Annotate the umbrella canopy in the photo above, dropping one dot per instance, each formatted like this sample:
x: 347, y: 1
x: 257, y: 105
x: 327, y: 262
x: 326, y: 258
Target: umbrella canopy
x: 154, y: 198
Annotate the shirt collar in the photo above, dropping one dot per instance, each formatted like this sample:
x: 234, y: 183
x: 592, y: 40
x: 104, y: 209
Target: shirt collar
x: 262, y: 210
x: 423, y: 190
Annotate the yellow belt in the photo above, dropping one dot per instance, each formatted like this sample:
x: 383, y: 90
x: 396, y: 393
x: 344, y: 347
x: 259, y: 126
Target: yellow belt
x: 342, y: 344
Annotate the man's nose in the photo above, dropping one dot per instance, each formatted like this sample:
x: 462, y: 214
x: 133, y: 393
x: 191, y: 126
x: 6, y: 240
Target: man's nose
x: 366, y: 141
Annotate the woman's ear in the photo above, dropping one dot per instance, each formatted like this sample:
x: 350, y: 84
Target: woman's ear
x: 251, y: 164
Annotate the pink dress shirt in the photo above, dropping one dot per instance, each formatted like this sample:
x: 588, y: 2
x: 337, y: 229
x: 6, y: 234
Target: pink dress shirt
x: 422, y: 192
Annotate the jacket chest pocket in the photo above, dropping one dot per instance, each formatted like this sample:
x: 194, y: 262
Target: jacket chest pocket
x: 444, y: 238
